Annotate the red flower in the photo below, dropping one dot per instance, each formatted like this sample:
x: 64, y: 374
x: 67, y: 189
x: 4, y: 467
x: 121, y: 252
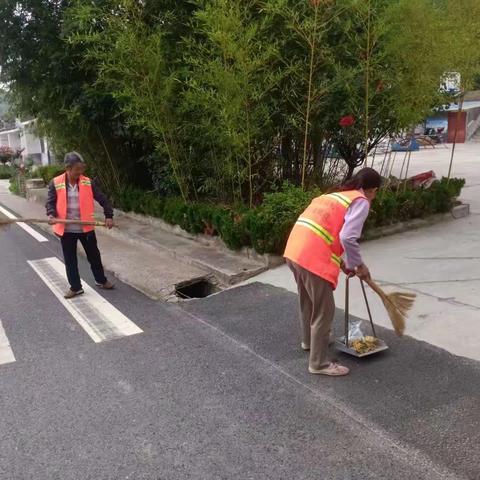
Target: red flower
x: 347, y: 121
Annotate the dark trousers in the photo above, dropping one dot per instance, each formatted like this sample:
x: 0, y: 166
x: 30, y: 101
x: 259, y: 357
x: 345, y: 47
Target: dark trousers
x: 69, y: 247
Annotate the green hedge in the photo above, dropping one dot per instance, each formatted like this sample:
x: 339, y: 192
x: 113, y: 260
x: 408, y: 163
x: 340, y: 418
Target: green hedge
x: 391, y: 207
x: 49, y: 172
x: 14, y: 187
x: 5, y: 172
x: 266, y: 227
x: 269, y: 225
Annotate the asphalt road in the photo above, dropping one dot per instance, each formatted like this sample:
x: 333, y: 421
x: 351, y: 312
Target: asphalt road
x: 214, y: 389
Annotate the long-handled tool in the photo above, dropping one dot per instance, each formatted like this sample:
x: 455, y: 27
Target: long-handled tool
x: 397, y: 304
x: 5, y: 222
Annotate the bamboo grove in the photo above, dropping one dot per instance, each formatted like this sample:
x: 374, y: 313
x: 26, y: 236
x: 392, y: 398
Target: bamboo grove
x: 225, y: 100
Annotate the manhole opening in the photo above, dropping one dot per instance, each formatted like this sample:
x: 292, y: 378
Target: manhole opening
x: 197, y: 289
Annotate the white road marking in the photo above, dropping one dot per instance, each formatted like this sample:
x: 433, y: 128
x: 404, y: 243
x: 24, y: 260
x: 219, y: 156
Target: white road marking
x: 6, y: 353
x: 99, y: 318
x: 37, y: 236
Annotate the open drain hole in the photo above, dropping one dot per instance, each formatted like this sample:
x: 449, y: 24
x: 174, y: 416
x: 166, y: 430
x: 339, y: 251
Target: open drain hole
x: 201, y: 288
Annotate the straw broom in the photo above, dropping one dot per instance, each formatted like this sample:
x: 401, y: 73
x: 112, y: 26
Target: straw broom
x: 397, y: 304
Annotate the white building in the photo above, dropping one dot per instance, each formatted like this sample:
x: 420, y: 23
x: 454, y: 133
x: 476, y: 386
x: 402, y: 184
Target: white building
x: 23, y: 137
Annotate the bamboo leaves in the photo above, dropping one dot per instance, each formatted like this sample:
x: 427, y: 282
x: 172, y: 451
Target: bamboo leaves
x: 225, y: 100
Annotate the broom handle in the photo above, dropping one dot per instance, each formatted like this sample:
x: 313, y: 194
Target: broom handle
x: 347, y: 309
x: 93, y: 223
x: 380, y: 292
x: 368, y: 307
x: 375, y: 288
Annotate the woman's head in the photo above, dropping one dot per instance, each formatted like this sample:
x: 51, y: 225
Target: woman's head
x: 366, y: 179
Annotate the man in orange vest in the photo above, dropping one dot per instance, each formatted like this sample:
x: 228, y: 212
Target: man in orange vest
x: 329, y: 227
x: 71, y: 196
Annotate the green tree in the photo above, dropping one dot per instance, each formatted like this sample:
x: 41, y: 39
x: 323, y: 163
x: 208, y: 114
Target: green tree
x: 48, y: 79
x: 230, y: 96
x: 137, y: 66
x: 361, y: 59
x: 226, y: 100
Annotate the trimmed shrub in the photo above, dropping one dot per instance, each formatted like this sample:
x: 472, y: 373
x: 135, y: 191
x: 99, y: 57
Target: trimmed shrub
x: 231, y: 225
x: 391, y: 207
x: 14, y: 188
x: 266, y: 227
x: 269, y: 224
x: 49, y: 172
x: 6, y: 172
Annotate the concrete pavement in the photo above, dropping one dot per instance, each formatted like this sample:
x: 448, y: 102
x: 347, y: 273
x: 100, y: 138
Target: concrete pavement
x: 440, y: 263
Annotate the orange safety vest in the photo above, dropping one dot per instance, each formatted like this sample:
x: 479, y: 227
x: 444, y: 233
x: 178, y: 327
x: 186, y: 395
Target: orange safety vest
x: 85, y: 196
x: 314, y: 242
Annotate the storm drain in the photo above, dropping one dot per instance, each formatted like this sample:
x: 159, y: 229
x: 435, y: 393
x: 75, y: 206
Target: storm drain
x: 200, y: 288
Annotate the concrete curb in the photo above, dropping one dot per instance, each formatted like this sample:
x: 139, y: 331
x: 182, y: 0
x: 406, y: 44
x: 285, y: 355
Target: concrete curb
x: 265, y: 262
x: 459, y: 211
x: 225, y: 277
x: 269, y: 260
x: 244, y: 265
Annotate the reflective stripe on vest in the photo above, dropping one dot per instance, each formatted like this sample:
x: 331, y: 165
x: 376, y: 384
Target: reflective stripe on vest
x: 336, y: 259
x: 314, y: 242
x: 322, y: 233
x: 342, y: 199
x: 86, y: 202
x: 316, y: 228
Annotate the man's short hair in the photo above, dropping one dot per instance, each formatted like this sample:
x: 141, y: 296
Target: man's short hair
x: 72, y: 159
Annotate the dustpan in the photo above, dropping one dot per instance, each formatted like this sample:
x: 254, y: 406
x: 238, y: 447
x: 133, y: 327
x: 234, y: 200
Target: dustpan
x: 342, y: 343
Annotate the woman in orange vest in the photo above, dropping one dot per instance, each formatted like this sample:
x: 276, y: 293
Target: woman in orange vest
x: 328, y: 228
x: 71, y: 196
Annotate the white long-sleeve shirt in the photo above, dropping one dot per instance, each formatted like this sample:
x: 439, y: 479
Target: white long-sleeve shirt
x: 351, y: 232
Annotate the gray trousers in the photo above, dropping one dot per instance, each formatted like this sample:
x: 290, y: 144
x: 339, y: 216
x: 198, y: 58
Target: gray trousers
x: 317, y: 311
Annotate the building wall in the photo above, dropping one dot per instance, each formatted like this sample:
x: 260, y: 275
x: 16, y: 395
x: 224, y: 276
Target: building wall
x: 14, y: 140
x: 468, y: 123
x: 457, y: 125
x: 473, y: 122
x: 31, y: 143
x: 11, y: 139
x: 24, y: 138
x: 34, y: 147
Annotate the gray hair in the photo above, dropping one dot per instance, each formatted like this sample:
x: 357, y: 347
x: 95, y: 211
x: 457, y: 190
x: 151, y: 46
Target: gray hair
x: 72, y: 159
